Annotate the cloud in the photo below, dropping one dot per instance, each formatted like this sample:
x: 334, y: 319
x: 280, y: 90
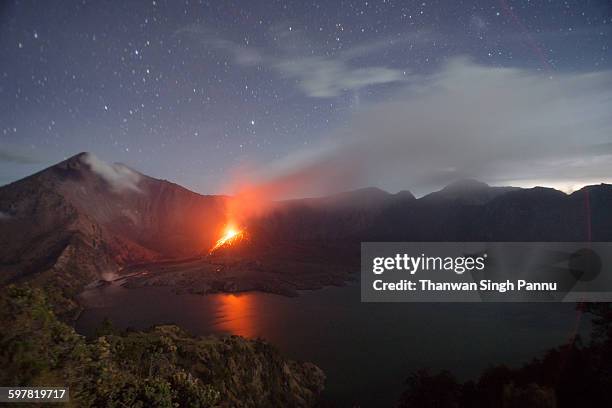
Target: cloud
x: 118, y: 176
x: 410, y: 38
x: 500, y: 125
x: 13, y: 156
x: 326, y: 77
x: 316, y: 76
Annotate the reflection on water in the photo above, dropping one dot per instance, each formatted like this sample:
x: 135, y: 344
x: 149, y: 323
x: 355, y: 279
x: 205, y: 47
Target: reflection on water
x: 236, y: 314
x: 366, y: 349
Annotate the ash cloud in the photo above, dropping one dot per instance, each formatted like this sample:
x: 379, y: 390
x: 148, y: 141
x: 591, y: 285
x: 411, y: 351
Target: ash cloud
x: 500, y: 125
x: 118, y: 176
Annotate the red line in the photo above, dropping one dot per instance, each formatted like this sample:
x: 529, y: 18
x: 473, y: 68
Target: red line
x: 535, y: 47
x: 587, y: 205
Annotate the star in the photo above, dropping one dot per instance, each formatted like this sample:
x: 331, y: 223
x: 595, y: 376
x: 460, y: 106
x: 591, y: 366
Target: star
x: 303, y: 72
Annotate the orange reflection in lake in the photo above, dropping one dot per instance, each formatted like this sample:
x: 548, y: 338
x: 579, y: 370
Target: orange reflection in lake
x: 237, y: 314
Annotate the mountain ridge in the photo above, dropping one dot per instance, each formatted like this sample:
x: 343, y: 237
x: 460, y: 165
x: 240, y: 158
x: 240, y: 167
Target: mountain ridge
x: 82, y: 220
x: 94, y: 220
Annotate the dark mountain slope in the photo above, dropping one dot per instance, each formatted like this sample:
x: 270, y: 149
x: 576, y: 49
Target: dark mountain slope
x: 476, y: 213
x: 83, y: 219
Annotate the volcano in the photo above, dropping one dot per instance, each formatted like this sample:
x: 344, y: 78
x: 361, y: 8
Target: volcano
x: 83, y: 220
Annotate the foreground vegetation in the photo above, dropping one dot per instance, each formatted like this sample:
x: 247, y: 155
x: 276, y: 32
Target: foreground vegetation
x: 574, y: 375
x: 163, y: 367
x: 166, y: 367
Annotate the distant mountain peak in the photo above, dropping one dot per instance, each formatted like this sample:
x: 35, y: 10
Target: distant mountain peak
x: 76, y: 161
x: 117, y: 175
x: 594, y: 187
x: 468, y: 191
x: 79, y: 156
x: 405, y: 195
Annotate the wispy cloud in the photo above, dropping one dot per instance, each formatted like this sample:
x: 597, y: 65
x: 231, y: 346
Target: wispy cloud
x: 317, y: 76
x: 14, y: 156
x: 500, y: 125
x: 327, y: 77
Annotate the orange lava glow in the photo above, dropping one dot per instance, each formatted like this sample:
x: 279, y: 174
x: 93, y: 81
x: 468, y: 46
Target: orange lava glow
x: 230, y: 236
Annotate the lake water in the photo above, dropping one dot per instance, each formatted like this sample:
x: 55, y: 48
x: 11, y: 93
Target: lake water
x: 366, y: 349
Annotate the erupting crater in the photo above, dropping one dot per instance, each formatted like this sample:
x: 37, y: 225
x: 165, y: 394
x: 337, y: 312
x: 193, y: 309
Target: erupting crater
x: 230, y: 236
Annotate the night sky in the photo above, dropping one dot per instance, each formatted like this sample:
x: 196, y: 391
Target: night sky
x: 190, y: 91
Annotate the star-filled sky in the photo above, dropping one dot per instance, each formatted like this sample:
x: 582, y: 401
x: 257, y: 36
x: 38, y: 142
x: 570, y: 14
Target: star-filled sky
x: 331, y: 95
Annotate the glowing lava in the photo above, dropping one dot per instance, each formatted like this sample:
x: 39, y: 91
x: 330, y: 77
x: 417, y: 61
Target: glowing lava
x: 229, y: 237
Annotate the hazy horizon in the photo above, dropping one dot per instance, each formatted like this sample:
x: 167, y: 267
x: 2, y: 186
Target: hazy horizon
x: 103, y: 168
